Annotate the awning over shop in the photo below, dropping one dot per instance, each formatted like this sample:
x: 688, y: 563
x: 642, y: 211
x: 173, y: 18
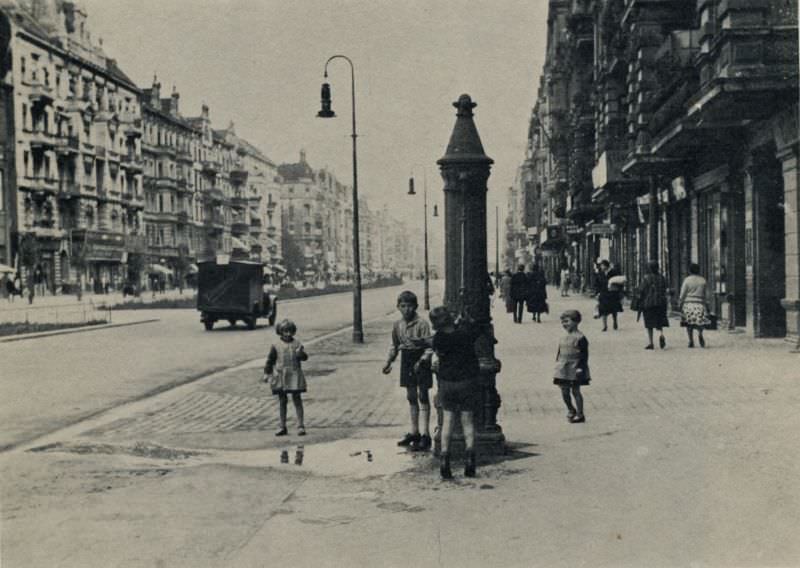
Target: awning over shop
x: 5, y: 269
x: 278, y: 268
x: 267, y: 270
x: 159, y: 269
x: 193, y: 269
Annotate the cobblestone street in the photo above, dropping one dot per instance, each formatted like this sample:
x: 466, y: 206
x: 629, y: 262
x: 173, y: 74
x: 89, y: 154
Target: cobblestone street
x: 687, y: 458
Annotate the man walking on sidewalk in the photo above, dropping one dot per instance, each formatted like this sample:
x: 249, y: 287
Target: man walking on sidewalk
x: 519, y: 292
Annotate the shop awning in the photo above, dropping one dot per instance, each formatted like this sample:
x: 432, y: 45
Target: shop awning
x: 267, y: 269
x: 5, y: 269
x: 193, y: 269
x: 159, y: 269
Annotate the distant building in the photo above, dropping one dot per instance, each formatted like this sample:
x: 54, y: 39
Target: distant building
x: 77, y: 186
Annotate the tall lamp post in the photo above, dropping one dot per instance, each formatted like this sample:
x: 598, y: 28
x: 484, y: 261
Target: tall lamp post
x: 427, y: 298
x: 326, y: 112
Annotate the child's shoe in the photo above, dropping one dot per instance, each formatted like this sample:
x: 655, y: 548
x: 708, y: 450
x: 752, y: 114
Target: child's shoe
x: 425, y: 443
x: 301, y: 431
x: 282, y: 432
x: 444, y: 467
x: 409, y: 439
x: 469, y: 465
x: 571, y: 414
x: 578, y: 418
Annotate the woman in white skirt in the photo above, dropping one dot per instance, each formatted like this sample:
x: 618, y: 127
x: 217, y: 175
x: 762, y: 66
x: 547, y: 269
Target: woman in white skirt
x: 694, y: 304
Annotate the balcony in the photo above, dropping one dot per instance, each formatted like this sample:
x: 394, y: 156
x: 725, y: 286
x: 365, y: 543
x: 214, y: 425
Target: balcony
x: 214, y: 195
x: 747, y: 73
x: 166, y: 183
x: 239, y: 202
x: 240, y: 228
x: 42, y: 140
x: 184, y: 156
x: 182, y: 184
x: 67, y: 145
x: 182, y: 217
x: 210, y: 167
x: 48, y: 232
x: 40, y: 184
x: 68, y: 189
x: 40, y: 94
x: 132, y: 162
x: 238, y: 176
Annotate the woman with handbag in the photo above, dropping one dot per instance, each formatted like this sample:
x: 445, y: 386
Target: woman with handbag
x: 694, y: 304
x: 652, y: 303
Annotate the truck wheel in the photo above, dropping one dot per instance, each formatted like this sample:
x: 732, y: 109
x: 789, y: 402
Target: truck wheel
x: 208, y: 324
x: 250, y: 322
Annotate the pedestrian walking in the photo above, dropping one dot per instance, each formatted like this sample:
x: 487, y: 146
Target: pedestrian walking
x: 694, y: 303
x: 457, y: 380
x: 564, y: 283
x: 572, y: 365
x: 608, y: 300
x: 651, y: 301
x: 490, y: 290
x: 416, y: 380
x: 576, y: 280
x: 537, y: 293
x: 505, y: 291
x: 10, y: 289
x: 519, y: 292
x: 284, y: 373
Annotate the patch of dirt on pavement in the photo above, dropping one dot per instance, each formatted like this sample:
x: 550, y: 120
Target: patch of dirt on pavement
x: 140, y: 449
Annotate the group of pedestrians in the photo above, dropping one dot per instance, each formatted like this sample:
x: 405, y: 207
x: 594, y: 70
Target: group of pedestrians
x: 523, y: 289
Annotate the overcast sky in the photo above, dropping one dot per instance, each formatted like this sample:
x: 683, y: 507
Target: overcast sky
x: 259, y: 63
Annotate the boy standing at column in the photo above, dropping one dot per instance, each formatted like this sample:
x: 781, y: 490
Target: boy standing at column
x: 408, y: 328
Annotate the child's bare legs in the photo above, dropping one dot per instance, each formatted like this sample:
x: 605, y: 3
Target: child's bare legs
x: 447, y: 430
x: 283, y: 401
x: 297, y: 399
x: 413, y: 401
x: 576, y: 394
x: 650, y: 337
x: 567, y: 400
x: 605, y: 321
x: 425, y: 411
x: 469, y: 441
x: 614, y: 317
x: 690, y: 333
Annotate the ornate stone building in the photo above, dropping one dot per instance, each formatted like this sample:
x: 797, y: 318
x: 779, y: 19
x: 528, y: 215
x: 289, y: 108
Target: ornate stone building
x: 673, y: 127
x: 77, y: 181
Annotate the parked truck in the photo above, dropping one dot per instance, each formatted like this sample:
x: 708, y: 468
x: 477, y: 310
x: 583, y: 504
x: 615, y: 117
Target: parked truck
x: 233, y: 291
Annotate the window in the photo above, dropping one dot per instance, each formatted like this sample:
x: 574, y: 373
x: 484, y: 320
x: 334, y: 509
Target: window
x: 22, y: 68
x: 307, y: 228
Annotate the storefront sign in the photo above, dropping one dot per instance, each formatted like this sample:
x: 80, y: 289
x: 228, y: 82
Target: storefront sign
x: 573, y: 229
x: 602, y: 229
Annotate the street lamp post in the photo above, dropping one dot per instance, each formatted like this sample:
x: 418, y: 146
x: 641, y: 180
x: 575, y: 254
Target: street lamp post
x: 326, y: 112
x: 427, y: 295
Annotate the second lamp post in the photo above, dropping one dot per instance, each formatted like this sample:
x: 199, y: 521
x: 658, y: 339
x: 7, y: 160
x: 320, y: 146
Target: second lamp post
x: 326, y: 112
x: 427, y: 295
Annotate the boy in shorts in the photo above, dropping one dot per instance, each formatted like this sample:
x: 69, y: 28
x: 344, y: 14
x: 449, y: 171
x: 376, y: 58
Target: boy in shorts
x: 406, y: 333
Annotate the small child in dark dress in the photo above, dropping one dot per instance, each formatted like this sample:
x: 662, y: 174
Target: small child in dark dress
x: 572, y: 365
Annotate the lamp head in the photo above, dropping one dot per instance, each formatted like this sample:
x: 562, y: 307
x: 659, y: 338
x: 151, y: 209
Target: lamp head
x: 325, y: 111
x: 411, y: 186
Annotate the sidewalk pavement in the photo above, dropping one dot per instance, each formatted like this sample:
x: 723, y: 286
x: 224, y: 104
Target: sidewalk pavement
x: 109, y: 299
x: 687, y: 458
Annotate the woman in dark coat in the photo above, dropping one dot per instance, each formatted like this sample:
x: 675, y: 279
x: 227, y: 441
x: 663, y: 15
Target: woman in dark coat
x: 537, y: 293
x: 652, y: 303
x: 608, y: 301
